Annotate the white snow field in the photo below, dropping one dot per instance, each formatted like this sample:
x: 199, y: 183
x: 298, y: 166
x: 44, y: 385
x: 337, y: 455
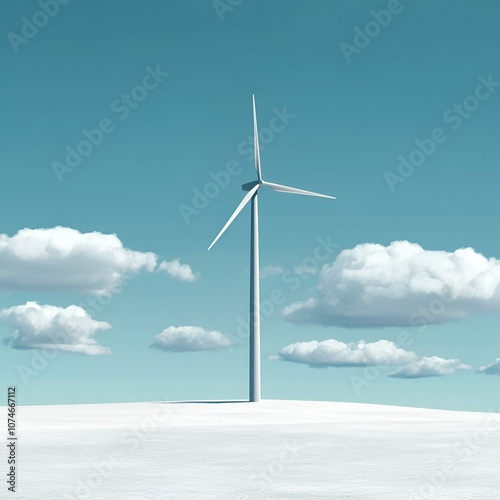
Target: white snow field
x: 268, y: 450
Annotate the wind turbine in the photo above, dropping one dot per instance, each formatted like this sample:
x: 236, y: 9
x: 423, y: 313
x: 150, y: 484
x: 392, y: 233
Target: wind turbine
x: 252, y: 188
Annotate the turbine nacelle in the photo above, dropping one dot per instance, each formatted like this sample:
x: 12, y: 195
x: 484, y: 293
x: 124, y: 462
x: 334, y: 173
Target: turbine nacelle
x: 250, y: 185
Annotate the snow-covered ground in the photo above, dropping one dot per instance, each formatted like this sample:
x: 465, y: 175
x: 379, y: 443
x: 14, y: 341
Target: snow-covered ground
x: 269, y: 450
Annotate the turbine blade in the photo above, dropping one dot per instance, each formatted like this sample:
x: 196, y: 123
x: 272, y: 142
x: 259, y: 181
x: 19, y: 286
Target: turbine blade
x: 256, y: 141
x: 287, y: 189
x: 244, y: 201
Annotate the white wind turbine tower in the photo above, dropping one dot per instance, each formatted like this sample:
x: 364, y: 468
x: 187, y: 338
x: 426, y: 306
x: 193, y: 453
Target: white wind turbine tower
x: 252, y: 188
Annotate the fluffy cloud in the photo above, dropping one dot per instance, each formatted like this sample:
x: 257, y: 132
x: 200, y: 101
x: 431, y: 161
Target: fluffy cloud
x: 360, y: 354
x: 491, y: 369
x: 429, y: 367
x: 401, y: 284
x: 189, y: 338
x: 69, y: 329
x: 270, y: 270
x: 178, y: 271
x: 63, y: 259
x: 335, y: 353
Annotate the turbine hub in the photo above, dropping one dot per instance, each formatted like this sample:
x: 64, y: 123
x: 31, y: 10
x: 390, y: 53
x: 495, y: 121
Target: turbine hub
x: 250, y: 185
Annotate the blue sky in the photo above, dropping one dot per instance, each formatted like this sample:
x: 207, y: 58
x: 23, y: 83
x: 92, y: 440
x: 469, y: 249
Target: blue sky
x: 351, y: 121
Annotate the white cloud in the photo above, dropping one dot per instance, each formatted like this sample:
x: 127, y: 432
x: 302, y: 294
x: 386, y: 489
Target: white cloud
x: 400, y: 285
x: 63, y: 259
x: 304, y: 270
x: 360, y: 354
x: 175, y: 269
x: 429, y: 367
x: 270, y: 270
x: 335, y: 353
x: 69, y: 329
x: 189, y: 338
x: 491, y: 369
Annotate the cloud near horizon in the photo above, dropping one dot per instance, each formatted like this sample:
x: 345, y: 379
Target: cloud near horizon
x: 335, y: 353
x: 400, y: 285
x: 270, y: 270
x: 64, y: 259
x: 492, y: 369
x: 190, y: 338
x: 430, y: 367
x: 69, y: 329
x: 304, y: 270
